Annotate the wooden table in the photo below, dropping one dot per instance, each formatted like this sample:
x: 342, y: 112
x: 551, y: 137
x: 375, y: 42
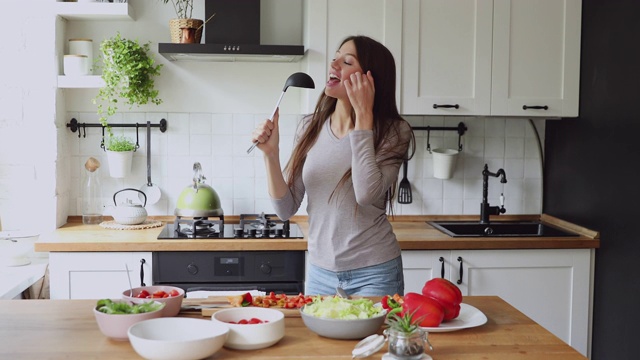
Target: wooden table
x: 66, y: 329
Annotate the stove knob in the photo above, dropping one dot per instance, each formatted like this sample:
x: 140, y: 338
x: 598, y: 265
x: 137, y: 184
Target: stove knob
x: 265, y: 268
x: 279, y: 232
x: 252, y: 232
x: 238, y: 232
x: 192, y: 269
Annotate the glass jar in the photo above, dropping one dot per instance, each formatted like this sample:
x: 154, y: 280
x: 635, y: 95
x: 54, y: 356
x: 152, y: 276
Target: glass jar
x: 407, y: 346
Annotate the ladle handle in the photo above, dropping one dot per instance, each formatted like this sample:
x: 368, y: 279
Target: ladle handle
x: 255, y: 143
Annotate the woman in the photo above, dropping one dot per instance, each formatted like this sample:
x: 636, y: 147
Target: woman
x: 346, y: 159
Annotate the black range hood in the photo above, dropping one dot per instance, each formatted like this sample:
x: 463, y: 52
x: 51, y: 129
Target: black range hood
x: 233, y: 34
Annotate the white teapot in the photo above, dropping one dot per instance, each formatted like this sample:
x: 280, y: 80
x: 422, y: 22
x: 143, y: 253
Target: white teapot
x: 128, y: 213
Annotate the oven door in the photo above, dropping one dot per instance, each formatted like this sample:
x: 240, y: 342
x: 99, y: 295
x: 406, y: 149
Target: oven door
x: 219, y: 271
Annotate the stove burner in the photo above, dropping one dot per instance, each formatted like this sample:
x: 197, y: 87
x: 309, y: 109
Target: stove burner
x: 262, y: 225
x: 199, y: 227
x: 250, y: 226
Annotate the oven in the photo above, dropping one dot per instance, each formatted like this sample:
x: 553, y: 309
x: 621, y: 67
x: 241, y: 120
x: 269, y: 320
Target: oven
x: 278, y: 271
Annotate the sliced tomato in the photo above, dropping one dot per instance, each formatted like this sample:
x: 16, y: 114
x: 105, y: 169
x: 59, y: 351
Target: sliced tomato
x: 174, y: 293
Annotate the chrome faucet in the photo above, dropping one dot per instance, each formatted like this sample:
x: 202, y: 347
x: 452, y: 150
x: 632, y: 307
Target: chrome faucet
x: 485, y: 208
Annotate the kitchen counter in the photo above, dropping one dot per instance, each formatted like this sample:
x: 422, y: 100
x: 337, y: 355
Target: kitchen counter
x: 66, y: 329
x: 413, y: 233
x: 16, y: 279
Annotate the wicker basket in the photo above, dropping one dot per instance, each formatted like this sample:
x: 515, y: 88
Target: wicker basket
x: 176, y: 25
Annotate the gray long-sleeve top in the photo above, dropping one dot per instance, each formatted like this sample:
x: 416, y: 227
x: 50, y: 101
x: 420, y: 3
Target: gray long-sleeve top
x: 351, y: 230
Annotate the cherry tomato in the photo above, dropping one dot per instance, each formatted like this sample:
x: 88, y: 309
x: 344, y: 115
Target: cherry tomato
x: 143, y: 294
x: 174, y: 292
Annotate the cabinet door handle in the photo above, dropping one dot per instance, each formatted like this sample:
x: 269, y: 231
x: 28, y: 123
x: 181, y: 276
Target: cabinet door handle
x: 142, y: 262
x: 441, y: 267
x: 460, y: 278
x: 535, y: 107
x: 446, y: 106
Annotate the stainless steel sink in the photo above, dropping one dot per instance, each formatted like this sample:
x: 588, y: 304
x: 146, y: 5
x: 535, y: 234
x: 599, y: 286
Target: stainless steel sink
x: 498, y: 229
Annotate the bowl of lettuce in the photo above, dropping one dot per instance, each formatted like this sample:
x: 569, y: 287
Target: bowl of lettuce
x: 339, y: 318
x: 115, y: 317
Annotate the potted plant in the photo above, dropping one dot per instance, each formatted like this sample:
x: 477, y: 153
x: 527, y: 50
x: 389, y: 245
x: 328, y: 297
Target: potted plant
x: 184, y: 23
x: 406, y: 338
x: 128, y: 71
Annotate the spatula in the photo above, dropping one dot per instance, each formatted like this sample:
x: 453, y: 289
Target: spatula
x: 404, y: 189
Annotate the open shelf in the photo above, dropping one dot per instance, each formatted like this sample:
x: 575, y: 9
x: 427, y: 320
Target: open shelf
x: 94, y: 11
x: 80, y: 82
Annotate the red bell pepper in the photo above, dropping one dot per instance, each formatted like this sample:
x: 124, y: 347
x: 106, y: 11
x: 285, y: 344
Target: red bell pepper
x: 426, y: 311
x: 447, y: 294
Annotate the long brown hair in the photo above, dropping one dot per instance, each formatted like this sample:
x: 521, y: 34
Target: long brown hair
x: 387, y: 122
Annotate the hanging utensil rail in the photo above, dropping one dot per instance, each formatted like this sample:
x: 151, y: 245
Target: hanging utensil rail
x: 74, y: 126
x: 461, y: 129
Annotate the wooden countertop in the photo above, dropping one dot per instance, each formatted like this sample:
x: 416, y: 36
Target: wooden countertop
x: 66, y: 329
x: 413, y: 233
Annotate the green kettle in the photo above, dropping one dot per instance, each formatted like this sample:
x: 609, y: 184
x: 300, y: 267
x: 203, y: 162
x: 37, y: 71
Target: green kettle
x: 198, y: 199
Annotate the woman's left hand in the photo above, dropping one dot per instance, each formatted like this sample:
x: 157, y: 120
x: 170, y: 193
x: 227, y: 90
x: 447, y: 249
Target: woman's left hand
x: 361, y: 91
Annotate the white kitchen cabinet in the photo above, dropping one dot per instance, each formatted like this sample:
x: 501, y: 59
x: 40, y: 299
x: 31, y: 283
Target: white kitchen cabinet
x: 536, y: 57
x: 553, y: 287
x: 446, y: 57
x: 328, y: 22
x: 488, y: 57
x: 97, y: 275
x: 70, y: 11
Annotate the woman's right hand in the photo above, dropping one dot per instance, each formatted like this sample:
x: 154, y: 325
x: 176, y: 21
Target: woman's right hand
x: 267, y: 135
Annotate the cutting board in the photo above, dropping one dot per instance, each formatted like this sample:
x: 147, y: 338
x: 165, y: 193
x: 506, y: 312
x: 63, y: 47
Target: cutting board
x: 221, y: 302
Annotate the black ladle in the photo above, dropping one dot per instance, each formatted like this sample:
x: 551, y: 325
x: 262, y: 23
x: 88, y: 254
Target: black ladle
x: 298, y: 79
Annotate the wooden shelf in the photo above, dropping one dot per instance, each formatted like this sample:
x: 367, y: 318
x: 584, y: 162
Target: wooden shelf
x: 94, y: 11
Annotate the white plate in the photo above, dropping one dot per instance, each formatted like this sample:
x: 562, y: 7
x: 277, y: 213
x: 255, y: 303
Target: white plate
x: 469, y: 317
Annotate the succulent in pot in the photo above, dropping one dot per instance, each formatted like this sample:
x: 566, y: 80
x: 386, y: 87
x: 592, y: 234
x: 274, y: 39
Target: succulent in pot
x: 407, y: 340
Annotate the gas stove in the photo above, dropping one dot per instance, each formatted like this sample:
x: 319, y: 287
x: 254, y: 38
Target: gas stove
x: 251, y: 226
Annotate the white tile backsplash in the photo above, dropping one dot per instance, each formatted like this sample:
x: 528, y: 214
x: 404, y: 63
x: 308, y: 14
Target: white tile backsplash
x: 220, y: 141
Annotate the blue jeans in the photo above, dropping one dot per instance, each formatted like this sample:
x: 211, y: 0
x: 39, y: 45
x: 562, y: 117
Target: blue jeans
x: 377, y: 280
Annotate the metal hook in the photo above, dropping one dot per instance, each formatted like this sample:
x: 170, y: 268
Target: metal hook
x: 78, y: 128
x: 428, y: 143
x: 84, y: 130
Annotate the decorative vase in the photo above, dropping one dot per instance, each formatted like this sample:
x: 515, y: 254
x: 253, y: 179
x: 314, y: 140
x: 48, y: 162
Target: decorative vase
x: 119, y: 163
x: 176, y: 27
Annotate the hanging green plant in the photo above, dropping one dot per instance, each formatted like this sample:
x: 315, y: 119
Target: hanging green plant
x: 128, y: 72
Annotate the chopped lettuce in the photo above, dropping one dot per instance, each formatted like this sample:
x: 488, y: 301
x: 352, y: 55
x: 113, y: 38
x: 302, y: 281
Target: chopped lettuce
x: 108, y: 306
x: 342, y: 309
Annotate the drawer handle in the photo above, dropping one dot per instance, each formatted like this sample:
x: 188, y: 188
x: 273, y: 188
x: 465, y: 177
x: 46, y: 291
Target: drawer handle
x: 460, y: 279
x: 441, y: 267
x: 535, y: 107
x: 446, y: 106
x: 142, y: 262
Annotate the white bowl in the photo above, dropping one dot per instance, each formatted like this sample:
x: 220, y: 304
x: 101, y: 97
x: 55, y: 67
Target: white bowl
x: 172, y: 304
x: 251, y: 336
x: 16, y: 247
x: 343, y: 329
x: 176, y: 338
x: 115, y: 326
